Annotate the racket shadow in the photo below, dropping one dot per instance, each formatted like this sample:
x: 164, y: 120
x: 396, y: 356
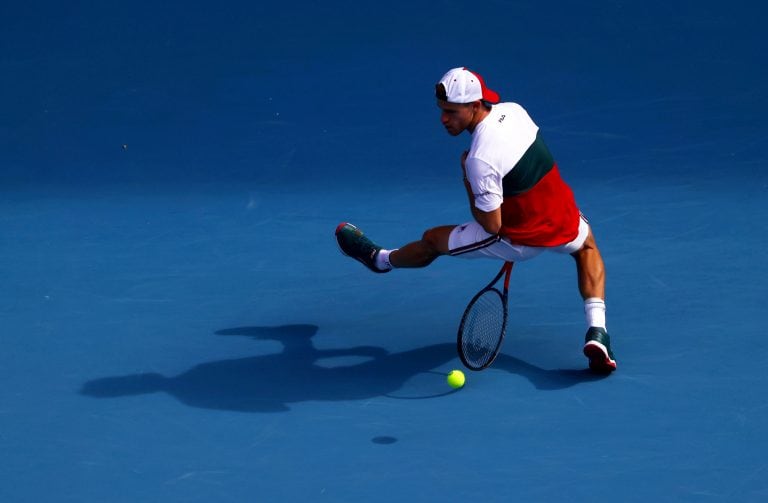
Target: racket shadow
x: 545, y: 379
x: 271, y: 382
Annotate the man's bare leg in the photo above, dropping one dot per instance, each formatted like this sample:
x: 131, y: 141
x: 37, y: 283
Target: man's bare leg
x: 423, y: 252
x: 591, y: 273
x: 591, y: 270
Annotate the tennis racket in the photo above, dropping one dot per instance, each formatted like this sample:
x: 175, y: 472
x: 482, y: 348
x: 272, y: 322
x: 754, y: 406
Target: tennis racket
x: 484, y: 322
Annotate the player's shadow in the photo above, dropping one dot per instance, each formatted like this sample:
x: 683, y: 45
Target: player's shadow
x: 269, y: 383
x: 300, y: 372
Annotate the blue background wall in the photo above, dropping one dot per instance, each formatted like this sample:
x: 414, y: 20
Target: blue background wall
x: 240, y: 89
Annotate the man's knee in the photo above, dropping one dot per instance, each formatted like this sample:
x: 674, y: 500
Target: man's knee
x: 437, y: 239
x: 589, y: 246
x: 430, y: 237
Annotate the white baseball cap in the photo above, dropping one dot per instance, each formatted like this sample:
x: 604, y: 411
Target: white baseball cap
x: 462, y: 85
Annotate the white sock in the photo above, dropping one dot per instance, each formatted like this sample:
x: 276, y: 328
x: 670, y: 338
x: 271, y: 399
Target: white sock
x: 382, y: 260
x: 594, y: 309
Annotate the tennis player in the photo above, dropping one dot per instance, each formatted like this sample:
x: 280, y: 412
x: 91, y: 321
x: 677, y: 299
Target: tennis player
x: 520, y: 205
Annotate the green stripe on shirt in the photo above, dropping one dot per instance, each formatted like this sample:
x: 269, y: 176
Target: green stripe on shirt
x: 535, y: 163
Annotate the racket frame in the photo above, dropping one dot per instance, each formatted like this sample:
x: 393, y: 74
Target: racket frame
x: 506, y: 271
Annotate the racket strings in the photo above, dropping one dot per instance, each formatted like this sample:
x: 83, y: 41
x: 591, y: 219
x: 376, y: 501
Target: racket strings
x: 483, y: 329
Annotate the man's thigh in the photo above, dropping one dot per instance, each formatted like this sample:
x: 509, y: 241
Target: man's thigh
x: 470, y: 240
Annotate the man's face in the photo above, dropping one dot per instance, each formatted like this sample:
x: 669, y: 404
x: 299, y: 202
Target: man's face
x: 455, y: 117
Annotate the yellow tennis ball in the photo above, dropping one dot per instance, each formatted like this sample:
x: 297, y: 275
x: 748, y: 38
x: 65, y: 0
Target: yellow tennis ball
x: 456, y: 379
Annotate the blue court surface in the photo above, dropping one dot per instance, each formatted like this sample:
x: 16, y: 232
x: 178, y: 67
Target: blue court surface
x: 178, y: 324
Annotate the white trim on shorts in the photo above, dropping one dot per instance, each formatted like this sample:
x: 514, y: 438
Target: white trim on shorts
x: 470, y: 240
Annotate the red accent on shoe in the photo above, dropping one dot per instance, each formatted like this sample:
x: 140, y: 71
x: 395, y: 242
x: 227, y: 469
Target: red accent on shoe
x: 599, y: 361
x: 338, y: 227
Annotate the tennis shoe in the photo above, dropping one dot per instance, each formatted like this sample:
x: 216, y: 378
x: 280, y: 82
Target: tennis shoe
x: 353, y: 243
x: 597, y: 347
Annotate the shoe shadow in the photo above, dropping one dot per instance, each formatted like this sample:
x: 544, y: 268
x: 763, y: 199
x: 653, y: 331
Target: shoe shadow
x: 270, y: 383
x: 544, y: 379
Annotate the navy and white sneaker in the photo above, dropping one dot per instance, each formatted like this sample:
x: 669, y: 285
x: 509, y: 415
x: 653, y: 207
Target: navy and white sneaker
x: 353, y: 243
x: 597, y: 347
